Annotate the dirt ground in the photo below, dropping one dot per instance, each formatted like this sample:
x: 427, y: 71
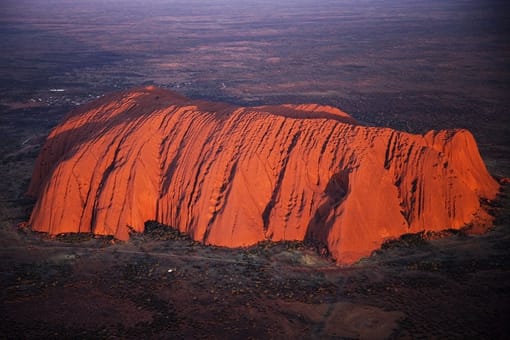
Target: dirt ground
x: 162, y: 285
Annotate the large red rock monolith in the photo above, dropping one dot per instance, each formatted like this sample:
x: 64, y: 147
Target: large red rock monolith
x: 234, y: 176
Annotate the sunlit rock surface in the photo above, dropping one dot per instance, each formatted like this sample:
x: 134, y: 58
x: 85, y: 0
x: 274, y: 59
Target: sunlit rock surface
x: 234, y: 176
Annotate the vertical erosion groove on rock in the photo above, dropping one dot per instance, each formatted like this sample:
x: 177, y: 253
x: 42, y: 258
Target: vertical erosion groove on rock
x: 233, y: 176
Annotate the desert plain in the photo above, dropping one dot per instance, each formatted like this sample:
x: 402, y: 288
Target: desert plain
x: 412, y: 66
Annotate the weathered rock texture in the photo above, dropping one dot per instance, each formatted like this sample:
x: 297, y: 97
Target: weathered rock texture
x: 233, y: 176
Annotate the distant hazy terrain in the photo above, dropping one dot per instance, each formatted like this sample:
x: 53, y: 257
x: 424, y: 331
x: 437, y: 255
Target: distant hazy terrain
x: 412, y: 65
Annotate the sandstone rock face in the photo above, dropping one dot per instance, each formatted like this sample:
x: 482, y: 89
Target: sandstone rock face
x: 233, y: 176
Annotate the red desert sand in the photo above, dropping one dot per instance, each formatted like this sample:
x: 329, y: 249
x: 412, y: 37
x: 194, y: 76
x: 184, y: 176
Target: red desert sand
x: 233, y: 176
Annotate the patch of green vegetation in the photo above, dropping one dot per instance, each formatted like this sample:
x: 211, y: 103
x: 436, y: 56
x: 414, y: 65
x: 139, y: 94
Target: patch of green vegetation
x: 406, y: 241
x: 162, y: 232
x: 74, y: 237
